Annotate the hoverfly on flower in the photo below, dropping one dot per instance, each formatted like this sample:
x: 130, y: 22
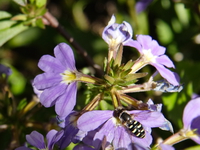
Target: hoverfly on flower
x: 132, y: 125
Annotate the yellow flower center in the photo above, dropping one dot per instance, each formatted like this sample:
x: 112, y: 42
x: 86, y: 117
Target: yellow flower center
x: 68, y: 76
x: 149, y: 57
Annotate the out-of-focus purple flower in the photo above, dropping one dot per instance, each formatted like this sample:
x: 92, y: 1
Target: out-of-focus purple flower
x: 37, y: 140
x: 152, y: 53
x: 5, y: 70
x: 194, y: 95
x: 191, y: 119
x: 114, y: 33
x: 141, y: 5
x: 106, y: 125
x: 58, y: 83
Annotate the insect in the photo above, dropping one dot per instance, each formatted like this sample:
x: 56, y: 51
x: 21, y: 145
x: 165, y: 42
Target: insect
x: 132, y: 125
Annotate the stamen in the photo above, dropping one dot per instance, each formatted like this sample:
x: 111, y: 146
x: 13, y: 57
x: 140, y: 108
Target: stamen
x: 68, y: 76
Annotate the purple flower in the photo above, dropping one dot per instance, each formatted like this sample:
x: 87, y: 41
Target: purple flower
x: 141, y: 5
x: 71, y: 132
x: 191, y: 119
x: 57, y: 85
x: 114, y: 33
x: 37, y: 140
x: 5, y: 70
x: 152, y: 53
x: 104, y: 124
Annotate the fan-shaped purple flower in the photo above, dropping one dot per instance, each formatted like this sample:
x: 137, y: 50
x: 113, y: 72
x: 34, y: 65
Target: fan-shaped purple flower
x: 152, y: 53
x: 116, y: 133
x: 58, y: 82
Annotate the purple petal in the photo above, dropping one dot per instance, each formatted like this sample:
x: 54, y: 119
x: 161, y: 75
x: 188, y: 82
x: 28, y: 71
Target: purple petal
x: 191, y: 111
x: 164, y: 60
x: 93, y: 119
x: 145, y: 142
x: 135, y: 44
x: 65, y: 55
x: 196, y: 139
x: 23, y: 148
x: 194, y: 95
x: 50, y: 135
x: 167, y: 126
x: 36, y: 139
x: 129, y: 30
x: 36, y: 91
x: 104, y: 33
x: 82, y: 147
x: 144, y: 40
x: 141, y: 5
x: 166, y: 147
x: 65, y: 103
x: 69, y: 133
x: 136, y: 146
x: 170, y: 76
x: 148, y: 118
x: 46, y: 80
x: 154, y: 107
x: 107, y: 130
x: 49, y: 96
x: 90, y: 139
x: 156, y: 49
x: 121, y: 139
x: 79, y: 136
x: 53, y: 136
x: 5, y: 69
x: 49, y: 63
x: 195, y: 124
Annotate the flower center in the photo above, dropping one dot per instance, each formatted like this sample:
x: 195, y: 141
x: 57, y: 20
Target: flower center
x: 149, y: 57
x: 68, y: 76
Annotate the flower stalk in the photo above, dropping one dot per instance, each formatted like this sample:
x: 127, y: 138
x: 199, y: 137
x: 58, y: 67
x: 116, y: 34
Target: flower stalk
x: 179, y: 137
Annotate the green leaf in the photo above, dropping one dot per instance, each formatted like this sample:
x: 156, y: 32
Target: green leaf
x: 39, y: 23
x: 32, y: 1
x: 21, y: 2
x: 104, y: 105
x: 11, y: 32
x: 17, y: 82
x: 164, y: 32
x: 40, y: 3
x: 134, y: 76
x: 197, y: 147
x: 6, y: 24
x: 4, y: 14
x: 175, y: 103
x: 41, y: 11
x: 22, y: 104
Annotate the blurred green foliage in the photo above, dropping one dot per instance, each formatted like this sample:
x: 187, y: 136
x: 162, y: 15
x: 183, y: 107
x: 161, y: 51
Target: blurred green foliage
x: 24, y: 39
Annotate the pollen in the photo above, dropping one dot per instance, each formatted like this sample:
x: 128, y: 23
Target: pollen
x: 68, y: 76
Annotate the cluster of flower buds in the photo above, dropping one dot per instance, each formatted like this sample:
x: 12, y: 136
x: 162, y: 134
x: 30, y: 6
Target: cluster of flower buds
x: 128, y: 125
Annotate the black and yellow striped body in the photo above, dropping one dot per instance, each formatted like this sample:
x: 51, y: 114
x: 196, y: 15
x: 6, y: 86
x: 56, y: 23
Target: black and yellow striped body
x: 134, y: 126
